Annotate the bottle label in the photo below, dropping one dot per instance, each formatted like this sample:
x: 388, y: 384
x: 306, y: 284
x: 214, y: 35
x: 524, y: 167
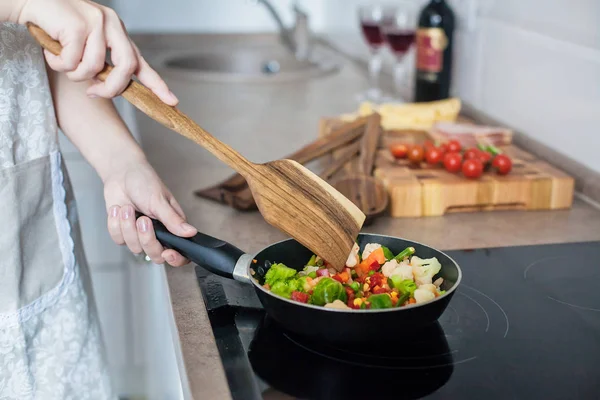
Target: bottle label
x: 431, y: 43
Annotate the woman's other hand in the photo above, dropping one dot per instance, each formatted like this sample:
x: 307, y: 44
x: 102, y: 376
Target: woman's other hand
x: 137, y: 187
x: 86, y: 30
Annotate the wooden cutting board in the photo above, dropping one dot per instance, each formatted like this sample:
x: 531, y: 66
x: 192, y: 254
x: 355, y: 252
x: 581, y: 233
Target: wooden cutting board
x: 427, y: 191
x: 533, y: 184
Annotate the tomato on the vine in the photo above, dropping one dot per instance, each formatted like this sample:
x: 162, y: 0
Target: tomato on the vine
x: 416, y: 153
x: 502, y: 163
x: 453, y: 162
x: 399, y: 150
x: 454, y: 146
x: 434, y: 156
x: 472, y: 168
x: 485, y: 157
x: 471, y: 153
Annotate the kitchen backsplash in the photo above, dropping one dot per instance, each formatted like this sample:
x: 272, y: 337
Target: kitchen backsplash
x: 533, y: 64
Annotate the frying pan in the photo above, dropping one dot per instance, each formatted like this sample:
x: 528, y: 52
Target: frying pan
x: 326, y: 324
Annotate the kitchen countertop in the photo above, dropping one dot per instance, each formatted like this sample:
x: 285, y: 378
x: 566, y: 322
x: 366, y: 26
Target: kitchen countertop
x: 265, y: 122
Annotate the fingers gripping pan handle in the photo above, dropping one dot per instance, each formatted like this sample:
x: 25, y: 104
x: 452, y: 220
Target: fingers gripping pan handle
x: 217, y: 256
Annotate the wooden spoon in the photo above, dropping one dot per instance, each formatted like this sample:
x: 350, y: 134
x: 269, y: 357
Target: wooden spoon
x: 289, y: 196
x: 364, y: 190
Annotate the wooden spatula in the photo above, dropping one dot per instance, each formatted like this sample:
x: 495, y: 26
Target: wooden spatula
x: 289, y: 196
x: 362, y: 188
x: 234, y: 191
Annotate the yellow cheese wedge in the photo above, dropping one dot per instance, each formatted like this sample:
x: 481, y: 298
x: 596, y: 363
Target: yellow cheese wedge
x: 420, y: 116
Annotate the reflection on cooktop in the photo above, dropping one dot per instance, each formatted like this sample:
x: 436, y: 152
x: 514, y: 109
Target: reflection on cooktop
x: 524, y: 323
x: 311, y: 370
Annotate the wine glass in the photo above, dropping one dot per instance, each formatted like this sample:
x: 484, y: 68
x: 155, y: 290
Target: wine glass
x: 398, y: 27
x: 371, y: 19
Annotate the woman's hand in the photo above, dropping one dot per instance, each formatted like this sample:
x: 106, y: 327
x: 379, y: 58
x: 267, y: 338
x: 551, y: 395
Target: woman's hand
x: 136, y: 186
x: 86, y: 30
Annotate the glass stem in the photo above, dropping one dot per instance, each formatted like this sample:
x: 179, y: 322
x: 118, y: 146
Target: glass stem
x: 375, y: 70
x: 399, y: 74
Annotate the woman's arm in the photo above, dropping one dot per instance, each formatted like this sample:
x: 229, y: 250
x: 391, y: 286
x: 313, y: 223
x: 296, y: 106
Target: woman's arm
x: 96, y: 129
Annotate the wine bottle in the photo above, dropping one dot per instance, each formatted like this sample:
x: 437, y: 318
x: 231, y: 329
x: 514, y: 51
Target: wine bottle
x: 434, y: 52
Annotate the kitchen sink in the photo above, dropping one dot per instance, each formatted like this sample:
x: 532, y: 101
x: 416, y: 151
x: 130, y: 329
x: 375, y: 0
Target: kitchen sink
x: 248, y: 62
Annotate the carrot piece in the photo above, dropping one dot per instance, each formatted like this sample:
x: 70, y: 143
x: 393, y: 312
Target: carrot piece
x: 412, y: 301
x: 344, y: 275
x: 377, y: 255
x: 375, y: 258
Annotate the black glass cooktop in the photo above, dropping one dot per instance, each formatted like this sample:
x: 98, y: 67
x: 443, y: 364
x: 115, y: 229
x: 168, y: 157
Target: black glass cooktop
x: 524, y: 324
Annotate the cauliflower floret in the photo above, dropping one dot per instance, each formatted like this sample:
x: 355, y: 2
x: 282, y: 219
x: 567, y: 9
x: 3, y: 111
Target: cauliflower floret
x: 424, y: 269
x: 403, y: 270
x: 423, y: 296
x: 337, y: 304
x: 430, y: 287
x: 389, y: 267
x: 369, y: 248
x: 353, y: 256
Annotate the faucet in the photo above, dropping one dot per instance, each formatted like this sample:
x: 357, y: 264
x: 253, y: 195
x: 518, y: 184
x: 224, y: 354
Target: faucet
x: 297, y: 40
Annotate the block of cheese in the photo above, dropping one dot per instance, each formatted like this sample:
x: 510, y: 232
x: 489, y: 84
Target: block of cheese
x: 410, y: 116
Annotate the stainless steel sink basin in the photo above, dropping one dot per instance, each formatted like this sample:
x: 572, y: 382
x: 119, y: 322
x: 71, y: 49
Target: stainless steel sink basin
x: 250, y: 62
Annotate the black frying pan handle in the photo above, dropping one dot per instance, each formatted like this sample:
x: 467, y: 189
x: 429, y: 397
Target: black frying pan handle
x: 217, y: 256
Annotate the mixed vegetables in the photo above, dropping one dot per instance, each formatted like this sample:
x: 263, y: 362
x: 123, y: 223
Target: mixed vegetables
x: 375, y: 279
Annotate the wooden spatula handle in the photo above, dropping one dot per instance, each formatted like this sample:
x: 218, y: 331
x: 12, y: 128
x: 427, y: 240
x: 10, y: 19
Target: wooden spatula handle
x: 369, y: 143
x: 147, y: 102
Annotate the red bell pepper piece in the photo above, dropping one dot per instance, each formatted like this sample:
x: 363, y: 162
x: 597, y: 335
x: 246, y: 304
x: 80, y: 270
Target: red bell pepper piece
x: 300, y: 297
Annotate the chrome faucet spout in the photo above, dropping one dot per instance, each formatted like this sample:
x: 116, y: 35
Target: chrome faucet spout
x: 296, y: 39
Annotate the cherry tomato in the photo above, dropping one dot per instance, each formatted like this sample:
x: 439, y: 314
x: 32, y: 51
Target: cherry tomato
x: 454, y: 146
x: 428, y: 144
x: 472, y: 168
x: 453, y: 162
x: 471, y: 153
x: 416, y: 154
x: 444, y: 148
x: 502, y: 163
x: 485, y: 157
x: 434, y: 156
x: 399, y: 150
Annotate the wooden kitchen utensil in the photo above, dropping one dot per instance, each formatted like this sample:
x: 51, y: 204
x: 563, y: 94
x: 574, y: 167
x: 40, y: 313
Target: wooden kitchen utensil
x: 345, y: 133
x: 289, y: 196
x: 362, y: 188
x: 237, y: 194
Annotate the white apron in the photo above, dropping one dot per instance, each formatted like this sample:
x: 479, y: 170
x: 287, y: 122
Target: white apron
x: 50, y: 341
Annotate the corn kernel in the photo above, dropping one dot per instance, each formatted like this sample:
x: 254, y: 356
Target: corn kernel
x: 365, y: 287
x: 358, y: 302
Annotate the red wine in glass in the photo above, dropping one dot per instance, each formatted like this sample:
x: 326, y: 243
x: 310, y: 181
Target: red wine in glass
x: 372, y: 32
x: 400, y: 40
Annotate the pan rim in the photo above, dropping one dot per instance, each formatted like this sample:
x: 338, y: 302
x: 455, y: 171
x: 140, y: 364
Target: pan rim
x: 448, y: 293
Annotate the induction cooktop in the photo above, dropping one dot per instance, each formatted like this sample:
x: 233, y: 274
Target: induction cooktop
x: 524, y: 324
